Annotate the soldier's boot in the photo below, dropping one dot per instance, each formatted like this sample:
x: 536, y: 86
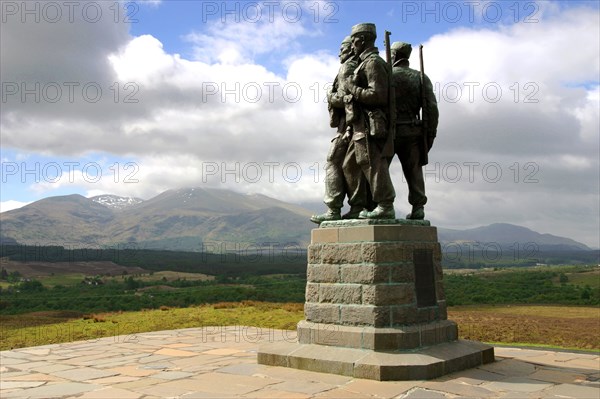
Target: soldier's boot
x: 381, y: 211
x: 353, y: 213
x: 331, y: 214
x: 417, y: 214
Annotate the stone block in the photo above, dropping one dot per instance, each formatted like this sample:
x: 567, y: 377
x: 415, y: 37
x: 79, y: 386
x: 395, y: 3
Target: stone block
x: 377, y: 338
x: 404, y: 315
x: 324, y: 235
x: 356, y: 234
x: 382, y: 252
x: 487, y: 353
x: 314, y: 253
x: 319, y: 273
x: 388, y: 294
x: 329, y: 335
x: 324, y: 359
x: 382, y: 233
x: 390, y: 339
x: 275, y: 353
x: 365, y: 274
x: 322, y: 312
x: 423, y: 364
x: 437, y: 332
x: 408, y: 340
x: 340, y: 293
x: 341, y: 253
x: 362, y: 315
x: 442, y: 310
x: 312, y: 292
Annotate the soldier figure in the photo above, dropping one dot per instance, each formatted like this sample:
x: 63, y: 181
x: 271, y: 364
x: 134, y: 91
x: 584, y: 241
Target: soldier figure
x: 371, y: 147
x: 335, y: 182
x: 414, y: 138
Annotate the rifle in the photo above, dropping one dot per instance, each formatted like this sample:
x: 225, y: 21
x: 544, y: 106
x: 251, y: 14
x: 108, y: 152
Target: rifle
x: 391, y: 91
x: 425, y: 146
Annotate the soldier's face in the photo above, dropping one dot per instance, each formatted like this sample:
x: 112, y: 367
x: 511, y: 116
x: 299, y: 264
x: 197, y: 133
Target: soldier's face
x: 345, y: 52
x: 358, y: 44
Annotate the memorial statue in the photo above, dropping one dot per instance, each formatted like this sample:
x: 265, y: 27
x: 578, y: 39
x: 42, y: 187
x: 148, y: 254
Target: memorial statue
x: 371, y: 146
x: 376, y: 283
x: 414, y: 134
x: 336, y: 187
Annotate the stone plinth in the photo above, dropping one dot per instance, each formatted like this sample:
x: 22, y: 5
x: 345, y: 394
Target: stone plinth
x: 375, y: 306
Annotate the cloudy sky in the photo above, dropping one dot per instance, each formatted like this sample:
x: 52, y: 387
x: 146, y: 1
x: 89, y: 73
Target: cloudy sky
x: 134, y: 98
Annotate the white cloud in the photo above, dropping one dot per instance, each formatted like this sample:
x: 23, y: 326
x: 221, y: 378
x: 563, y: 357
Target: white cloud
x: 259, y: 31
x: 588, y: 115
x: 6, y: 206
x: 143, y: 60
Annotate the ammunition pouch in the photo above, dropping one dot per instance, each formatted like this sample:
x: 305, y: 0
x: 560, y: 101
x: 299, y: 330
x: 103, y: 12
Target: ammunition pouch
x: 337, y: 149
x: 378, y: 127
x: 361, y: 148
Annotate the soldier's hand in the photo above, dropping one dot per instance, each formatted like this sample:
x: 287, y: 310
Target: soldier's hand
x: 346, y: 137
x: 351, y: 87
x: 430, y: 142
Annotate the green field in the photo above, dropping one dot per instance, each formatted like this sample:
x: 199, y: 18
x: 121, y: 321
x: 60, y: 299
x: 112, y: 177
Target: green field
x: 66, y: 301
x: 591, y: 278
x: 40, y: 328
x: 168, y: 275
x: 63, y: 279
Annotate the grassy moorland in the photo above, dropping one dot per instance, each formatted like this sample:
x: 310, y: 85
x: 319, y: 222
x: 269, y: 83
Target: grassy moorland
x: 40, y: 328
x: 50, y: 302
x: 553, y: 326
x: 568, y: 327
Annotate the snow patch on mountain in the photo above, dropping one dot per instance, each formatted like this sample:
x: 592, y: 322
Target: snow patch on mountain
x: 116, y: 202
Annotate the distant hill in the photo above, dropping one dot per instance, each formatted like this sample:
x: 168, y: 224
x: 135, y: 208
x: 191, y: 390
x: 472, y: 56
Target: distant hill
x: 184, y: 219
x: 65, y: 220
x: 506, y: 234
x: 8, y: 241
x: 198, y: 219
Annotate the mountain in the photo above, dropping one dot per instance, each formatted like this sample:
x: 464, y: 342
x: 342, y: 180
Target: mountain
x: 197, y: 219
x: 70, y: 220
x: 506, y: 234
x: 184, y: 219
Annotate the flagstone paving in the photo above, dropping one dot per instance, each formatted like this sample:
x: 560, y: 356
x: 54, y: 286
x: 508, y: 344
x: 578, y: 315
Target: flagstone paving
x: 220, y: 362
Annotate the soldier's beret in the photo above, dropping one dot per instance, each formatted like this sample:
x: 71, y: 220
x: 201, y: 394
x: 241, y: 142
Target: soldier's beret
x: 402, y: 49
x: 363, y: 28
x: 347, y: 40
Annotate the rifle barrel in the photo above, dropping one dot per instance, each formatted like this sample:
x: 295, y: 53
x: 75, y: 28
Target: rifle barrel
x: 388, y: 51
x: 425, y: 147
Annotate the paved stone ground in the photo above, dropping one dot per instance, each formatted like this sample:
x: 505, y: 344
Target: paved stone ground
x: 220, y: 362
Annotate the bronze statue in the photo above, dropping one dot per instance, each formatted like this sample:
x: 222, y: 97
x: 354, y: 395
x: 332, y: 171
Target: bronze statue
x: 371, y: 147
x: 414, y: 134
x: 336, y: 187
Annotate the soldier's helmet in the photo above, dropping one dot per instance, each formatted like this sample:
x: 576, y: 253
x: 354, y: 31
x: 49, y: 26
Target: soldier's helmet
x: 364, y: 28
x: 347, y: 40
x: 401, y: 50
